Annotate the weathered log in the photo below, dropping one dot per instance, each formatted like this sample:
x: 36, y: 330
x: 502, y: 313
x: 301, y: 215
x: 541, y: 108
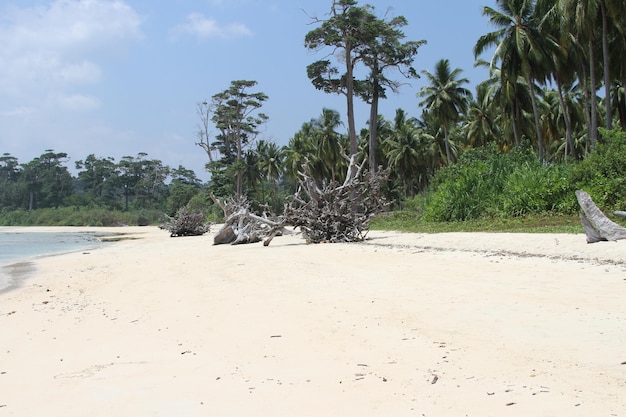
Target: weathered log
x: 225, y: 235
x: 242, y: 226
x: 597, y: 226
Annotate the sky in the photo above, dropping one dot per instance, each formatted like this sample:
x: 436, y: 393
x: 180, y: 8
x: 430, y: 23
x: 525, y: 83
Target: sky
x: 117, y: 78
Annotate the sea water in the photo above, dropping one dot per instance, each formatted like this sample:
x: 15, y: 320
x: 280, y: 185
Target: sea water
x: 20, y: 247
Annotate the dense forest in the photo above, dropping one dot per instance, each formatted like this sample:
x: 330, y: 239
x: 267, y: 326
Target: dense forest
x: 550, y: 119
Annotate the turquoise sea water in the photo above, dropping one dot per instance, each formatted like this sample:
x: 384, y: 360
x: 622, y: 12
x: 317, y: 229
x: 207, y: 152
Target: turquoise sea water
x: 17, y: 247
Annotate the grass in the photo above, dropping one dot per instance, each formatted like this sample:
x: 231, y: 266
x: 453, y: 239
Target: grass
x: 406, y: 221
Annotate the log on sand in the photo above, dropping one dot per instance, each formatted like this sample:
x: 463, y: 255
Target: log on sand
x: 597, y: 226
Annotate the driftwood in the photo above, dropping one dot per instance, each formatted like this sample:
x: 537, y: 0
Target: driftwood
x: 243, y: 226
x: 331, y: 212
x: 334, y: 212
x: 186, y: 223
x: 597, y: 226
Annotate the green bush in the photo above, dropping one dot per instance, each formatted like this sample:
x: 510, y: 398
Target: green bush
x: 487, y: 184
x: 603, y: 172
x: 471, y: 188
x: 537, y: 189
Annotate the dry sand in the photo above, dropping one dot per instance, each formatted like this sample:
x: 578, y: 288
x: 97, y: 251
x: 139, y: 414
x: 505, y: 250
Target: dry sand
x: 400, y: 325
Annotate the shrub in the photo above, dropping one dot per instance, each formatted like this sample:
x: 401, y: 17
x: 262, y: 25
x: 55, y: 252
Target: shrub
x: 537, y: 189
x: 486, y: 184
x: 603, y: 172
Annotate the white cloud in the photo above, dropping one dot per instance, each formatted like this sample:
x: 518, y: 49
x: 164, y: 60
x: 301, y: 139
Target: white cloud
x: 203, y: 27
x: 83, y: 72
x: 20, y: 111
x: 78, y: 102
x: 48, y: 48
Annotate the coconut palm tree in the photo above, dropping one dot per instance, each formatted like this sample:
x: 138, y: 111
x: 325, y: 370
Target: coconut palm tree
x: 445, y: 98
x: 271, y: 158
x: 300, y: 151
x: 521, y: 48
x: 510, y: 99
x: 409, y: 151
x: 328, y: 140
x: 480, y: 127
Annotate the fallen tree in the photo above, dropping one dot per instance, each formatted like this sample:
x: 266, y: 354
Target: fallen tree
x: 597, y: 226
x: 330, y: 212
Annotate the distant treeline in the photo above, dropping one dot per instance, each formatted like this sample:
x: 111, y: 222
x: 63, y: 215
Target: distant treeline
x: 133, y: 183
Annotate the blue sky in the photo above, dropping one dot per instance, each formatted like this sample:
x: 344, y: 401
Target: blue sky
x: 119, y: 77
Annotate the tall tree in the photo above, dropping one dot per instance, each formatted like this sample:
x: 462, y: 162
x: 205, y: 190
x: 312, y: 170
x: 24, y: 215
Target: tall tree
x: 445, y: 98
x: 586, y: 16
x: 238, y: 119
x: 345, y: 31
x: 381, y: 52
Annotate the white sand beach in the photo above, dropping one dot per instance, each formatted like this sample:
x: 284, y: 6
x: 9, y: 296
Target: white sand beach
x: 459, y: 324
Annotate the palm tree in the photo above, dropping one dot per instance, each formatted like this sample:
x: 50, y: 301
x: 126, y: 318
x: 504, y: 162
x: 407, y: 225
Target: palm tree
x: 445, y: 98
x: 328, y: 140
x: 481, y: 127
x: 510, y: 100
x: 271, y: 166
x: 521, y: 47
x: 300, y: 151
x: 409, y: 151
x: 587, y: 16
x: 252, y: 175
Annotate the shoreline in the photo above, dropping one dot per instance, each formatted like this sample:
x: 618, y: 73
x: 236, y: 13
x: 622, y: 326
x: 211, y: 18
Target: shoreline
x: 14, y: 271
x: 472, y: 324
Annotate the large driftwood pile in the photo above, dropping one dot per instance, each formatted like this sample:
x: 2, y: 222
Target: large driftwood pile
x: 337, y: 212
x: 332, y: 212
x: 597, y: 226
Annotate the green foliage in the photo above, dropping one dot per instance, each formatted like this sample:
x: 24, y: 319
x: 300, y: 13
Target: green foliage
x: 534, y: 188
x: 79, y: 216
x: 603, y: 172
x: 201, y: 202
x: 486, y: 184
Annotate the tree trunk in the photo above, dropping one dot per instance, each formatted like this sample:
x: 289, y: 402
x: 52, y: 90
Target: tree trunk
x: 568, y: 125
x: 586, y: 104
x: 354, y: 148
x: 373, y: 130
x: 594, y: 96
x: 516, y: 117
x: 607, y: 69
x: 447, y: 145
x: 621, y: 105
x: 533, y: 101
